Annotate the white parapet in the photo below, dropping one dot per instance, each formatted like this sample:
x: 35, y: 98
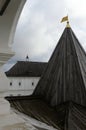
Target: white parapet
x: 4, y: 107
x: 3, y: 82
x: 12, y: 122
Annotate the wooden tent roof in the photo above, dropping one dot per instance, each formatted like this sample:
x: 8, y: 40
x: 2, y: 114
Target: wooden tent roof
x: 64, y: 78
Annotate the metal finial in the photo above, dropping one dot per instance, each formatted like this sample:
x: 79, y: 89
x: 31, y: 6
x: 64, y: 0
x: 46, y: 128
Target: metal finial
x: 68, y: 25
x: 27, y: 58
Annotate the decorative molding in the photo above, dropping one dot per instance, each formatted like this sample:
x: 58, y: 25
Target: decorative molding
x: 4, y: 57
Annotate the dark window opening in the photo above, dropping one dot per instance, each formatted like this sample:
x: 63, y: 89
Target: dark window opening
x: 32, y: 83
x: 19, y: 83
x: 10, y: 83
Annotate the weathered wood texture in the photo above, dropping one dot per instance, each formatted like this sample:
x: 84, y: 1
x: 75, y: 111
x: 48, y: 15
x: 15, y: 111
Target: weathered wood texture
x: 66, y: 116
x: 64, y: 78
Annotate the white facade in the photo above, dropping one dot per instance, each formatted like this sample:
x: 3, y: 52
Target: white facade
x: 21, y: 85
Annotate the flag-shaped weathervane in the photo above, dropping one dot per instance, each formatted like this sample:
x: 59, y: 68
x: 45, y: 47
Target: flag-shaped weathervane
x: 64, y: 19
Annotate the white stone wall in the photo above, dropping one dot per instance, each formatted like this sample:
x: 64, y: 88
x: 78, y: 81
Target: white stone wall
x: 4, y: 82
x: 21, y: 85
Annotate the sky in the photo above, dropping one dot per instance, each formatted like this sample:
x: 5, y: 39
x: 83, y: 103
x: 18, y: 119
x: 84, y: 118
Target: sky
x: 39, y: 28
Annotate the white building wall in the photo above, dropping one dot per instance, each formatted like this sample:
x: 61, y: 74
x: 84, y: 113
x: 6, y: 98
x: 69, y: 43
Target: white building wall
x: 21, y: 85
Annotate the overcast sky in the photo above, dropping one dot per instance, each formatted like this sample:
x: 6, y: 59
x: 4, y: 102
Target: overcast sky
x: 39, y: 27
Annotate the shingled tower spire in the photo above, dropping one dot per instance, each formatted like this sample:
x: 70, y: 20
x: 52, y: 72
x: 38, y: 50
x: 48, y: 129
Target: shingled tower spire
x: 65, y: 76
